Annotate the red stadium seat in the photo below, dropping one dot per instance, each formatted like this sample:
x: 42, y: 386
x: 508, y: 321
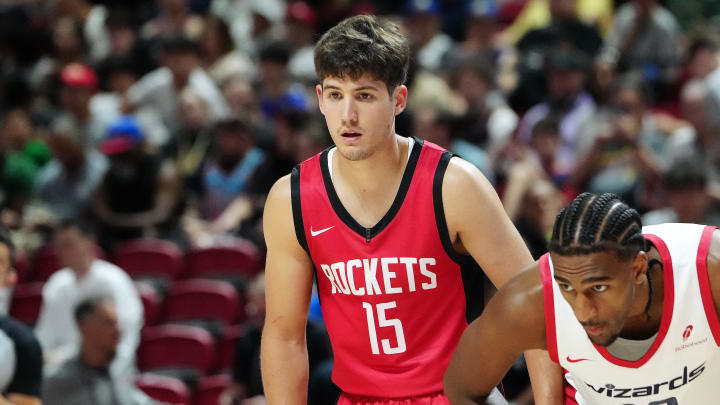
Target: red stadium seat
x: 209, y: 389
x: 177, y: 350
x: 46, y: 262
x: 241, y: 258
x: 22, y: 268
x: 202, y: 300
x: 226, y: 348
x: 151, y: 303
x: 164, y: 389
x: 26, y: 302
x: 149, y: 258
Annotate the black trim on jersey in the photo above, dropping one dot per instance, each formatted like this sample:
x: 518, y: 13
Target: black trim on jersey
x: 297, y: 208
x: 472, y: 275
x: 344, y: 215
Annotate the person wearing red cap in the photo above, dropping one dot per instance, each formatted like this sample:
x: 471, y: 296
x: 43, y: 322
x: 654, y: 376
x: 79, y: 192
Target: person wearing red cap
x: 79, y: 85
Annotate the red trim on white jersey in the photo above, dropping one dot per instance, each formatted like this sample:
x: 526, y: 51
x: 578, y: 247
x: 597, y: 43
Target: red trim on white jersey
x: 549, y: 303
x: 668, y: 304
x: 704, y: 280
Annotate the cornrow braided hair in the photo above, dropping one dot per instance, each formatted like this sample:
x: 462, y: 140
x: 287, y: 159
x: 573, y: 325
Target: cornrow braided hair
x: 592, y: 223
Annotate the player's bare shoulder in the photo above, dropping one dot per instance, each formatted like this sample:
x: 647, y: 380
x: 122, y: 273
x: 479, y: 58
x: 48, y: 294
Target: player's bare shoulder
x: 464, y: 186
x: 278, y: 211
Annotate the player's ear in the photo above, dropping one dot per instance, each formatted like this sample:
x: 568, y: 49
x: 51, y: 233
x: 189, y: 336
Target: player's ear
x: 639, y: 267
x: 319, y: 92
x: 400, y: 95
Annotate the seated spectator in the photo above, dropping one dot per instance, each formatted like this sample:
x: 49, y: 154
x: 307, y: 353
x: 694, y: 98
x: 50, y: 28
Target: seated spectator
x: 174, y: 18
x: 92, y: 17
x: 247, y: 383
x: 223, y: 183
x: 568, y: 103
x: 79, y: 85
x: 68, y: 183
x: 424, y: 31
x: 160, y: 89
x: 22, y: 156
x: 140, y: 190
x: 22, y: 364
x: 220, y: 57
x: 84, y: 276
x: 88, y: 378
x: 488, y: 121
x: 688, y: 197
x: 8, y: 276
x: 645, y: 39
x: 277, y: 91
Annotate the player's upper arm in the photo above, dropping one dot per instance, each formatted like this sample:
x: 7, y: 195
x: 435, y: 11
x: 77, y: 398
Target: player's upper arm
x: 512, y: 323
x: 476, y: 217
x: 288, y: 268
x: 713, y: 269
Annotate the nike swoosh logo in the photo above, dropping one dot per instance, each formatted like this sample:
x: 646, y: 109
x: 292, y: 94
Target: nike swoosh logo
x: 574, y: 360
x: 316, y: 233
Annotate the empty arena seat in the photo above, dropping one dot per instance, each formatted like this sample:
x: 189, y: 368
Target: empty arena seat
x: 45, y: 262
x: 163, y: 388
x: 26, y: 302
x: 226, y: 348
x: 152, y: 303
x: 240, y: 259
x: 211, y: 304
x: 209, y: 389
x: 180, y: 351
x: 152, y: 259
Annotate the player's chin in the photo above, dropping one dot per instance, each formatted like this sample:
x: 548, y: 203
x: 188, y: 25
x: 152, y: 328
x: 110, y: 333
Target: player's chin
x: 603, y: 338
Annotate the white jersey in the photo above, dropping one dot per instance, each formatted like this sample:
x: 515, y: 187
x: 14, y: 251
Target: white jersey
x: 682, y: 367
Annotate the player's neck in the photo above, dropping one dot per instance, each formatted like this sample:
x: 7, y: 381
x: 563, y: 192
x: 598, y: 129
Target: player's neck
x: 644, y: 321
x: 377, y: 172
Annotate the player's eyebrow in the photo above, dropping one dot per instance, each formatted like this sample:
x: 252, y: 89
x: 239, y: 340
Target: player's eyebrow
x: 366, y: 87
x: 562, y: 280
x: 588, y: 280
x: 330, y: 86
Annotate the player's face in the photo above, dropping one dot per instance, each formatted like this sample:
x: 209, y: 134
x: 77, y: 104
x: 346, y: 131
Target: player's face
x: 600, y: 288
x: 360, y: 114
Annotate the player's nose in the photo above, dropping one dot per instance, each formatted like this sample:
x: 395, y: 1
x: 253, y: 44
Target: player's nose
x: 585, y: 309
x: 349, y: 111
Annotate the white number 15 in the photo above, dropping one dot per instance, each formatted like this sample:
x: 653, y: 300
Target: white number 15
x: 383, y: 322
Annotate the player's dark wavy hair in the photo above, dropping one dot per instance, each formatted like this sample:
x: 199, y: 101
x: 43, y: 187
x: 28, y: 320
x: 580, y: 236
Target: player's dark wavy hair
x: 592, y: 223
x: 364, y: 44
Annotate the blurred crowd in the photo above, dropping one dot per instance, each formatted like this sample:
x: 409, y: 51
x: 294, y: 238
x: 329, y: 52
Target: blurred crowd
x: 171, y: 120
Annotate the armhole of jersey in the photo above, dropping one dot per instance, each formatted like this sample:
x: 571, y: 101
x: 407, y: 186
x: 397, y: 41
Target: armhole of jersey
x: 704, y: 281
x: 549, y: 303
x: 440, y: 209
x: 569, y: 391
x: 297, y: 208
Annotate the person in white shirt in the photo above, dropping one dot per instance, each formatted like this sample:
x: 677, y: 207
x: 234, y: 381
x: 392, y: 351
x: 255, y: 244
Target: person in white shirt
x: 85, y: 276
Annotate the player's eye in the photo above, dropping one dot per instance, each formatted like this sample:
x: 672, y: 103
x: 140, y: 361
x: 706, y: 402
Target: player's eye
x: 566, y: 287
x: 334, y: 95
x: 599, y: 288
x: 365, y: 96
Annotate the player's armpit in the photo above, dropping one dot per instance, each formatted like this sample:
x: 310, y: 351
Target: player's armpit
x: 288, y: 285
x: 512, y: 323
x: 476, y: 218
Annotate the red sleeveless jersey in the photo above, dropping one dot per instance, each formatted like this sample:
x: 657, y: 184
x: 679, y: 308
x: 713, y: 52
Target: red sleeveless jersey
x: 393, y: 296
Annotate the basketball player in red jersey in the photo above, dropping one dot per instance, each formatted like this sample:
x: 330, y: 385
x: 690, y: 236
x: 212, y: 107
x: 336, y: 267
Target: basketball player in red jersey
x: 389, y: 227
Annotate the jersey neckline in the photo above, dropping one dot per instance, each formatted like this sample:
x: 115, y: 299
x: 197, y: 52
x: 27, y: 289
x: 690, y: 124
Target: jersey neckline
x: 344, y: 215
x: 668, y: 306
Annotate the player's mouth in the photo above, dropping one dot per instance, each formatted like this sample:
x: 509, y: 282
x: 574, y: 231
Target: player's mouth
x: 594, y: 331
x: 350, y: 136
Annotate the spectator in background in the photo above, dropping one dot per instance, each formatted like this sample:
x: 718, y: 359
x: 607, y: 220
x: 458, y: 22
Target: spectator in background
x: 221, y: 59
x: 645, y: 39
x: 277, y: 90
x: 424, y: 32
x: 488, y: 122
x: 251, y: 22
x: 69, y: 181
x: 223, y: 183
x: 92, y: 17
x: 88, y: 377
x: 79, y: 85
x: 174, y: 18
x: 85, y: 276
x: 190, y: 147
x: 8, y: 275
x: 22, y: 156
x: 568, y: 103
x: 159, y: 90
x: 300, y: 24
x: 535, y: 49
x: 140, y: 190
x: 703, y: 65
x: 243, y: 100
x: 69, y: 46
x: 686, y: 188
